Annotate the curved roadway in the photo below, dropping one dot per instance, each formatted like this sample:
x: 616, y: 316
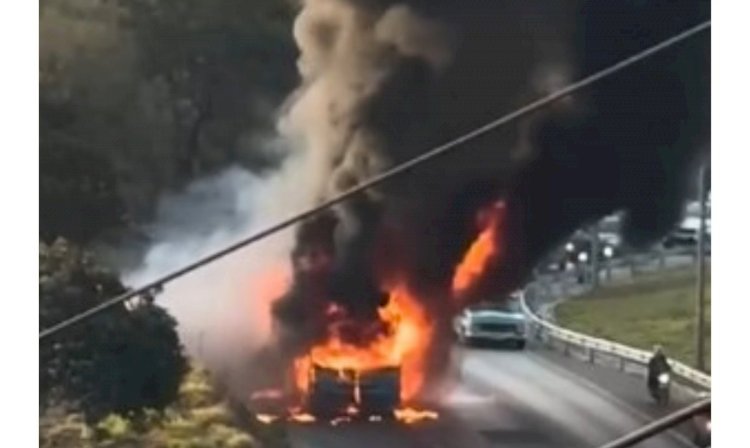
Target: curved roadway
x: 535, y: 398
x: 526, y: 399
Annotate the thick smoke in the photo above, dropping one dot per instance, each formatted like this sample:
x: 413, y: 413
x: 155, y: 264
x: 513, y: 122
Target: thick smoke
x: 224, y: 309
x: 637, y: 144
x: 382, y: 81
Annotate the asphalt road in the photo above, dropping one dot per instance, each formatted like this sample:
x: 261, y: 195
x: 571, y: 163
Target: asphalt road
x: 529, y: 399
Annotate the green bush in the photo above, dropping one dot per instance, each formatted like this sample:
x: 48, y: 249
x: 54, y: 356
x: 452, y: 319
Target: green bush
x: 121, y: 361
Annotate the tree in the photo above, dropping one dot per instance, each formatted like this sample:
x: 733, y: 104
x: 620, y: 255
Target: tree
x: 140, y: 97
x: 78, y: 192
x: 121, y: 361
x: 225, y: 64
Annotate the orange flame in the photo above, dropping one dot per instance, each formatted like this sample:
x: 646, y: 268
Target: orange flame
x: 404, y: 415
x: 403, y: 343
x: 411, y: 415
x: 482, y: 251
x: 302, y: 418
x: 407, y: 331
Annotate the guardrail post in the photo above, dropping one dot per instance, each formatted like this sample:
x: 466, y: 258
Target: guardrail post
x: 591, y: 355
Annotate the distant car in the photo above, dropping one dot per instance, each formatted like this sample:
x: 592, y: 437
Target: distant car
x: 579, y: 248
x: 501, y: 321
x: 682, y: 237
x: 334, y: 393
x: 686, y: 233
x: 685, y: 238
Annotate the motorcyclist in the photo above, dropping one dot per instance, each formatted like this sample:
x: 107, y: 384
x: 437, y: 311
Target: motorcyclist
x: 657, y: 365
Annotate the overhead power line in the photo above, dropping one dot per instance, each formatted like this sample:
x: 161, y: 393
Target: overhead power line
x: 403, y: 168
x: 661, y: 425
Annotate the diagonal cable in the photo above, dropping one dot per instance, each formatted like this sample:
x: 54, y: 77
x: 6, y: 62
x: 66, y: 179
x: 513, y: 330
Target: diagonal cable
x: 398, y: 170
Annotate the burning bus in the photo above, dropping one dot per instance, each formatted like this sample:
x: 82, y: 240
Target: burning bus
x: 370, y: 377
x: 360, y: 368
x: 348, y: 361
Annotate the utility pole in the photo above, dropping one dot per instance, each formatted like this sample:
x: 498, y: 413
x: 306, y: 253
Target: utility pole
x: 595, y: 255
x: 700, y: 305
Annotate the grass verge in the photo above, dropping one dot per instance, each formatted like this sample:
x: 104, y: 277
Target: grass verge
x: 199, y: 419
x: 652, y: 309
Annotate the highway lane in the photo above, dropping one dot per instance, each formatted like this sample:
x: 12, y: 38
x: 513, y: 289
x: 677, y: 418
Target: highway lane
x: 590, y: 405
x: 502, y: 398
x: 531, y: 399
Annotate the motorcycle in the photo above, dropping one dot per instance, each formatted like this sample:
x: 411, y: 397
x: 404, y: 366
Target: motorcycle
x: 661, y: 391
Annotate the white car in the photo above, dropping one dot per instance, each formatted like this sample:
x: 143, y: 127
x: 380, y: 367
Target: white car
x: 496, y: 321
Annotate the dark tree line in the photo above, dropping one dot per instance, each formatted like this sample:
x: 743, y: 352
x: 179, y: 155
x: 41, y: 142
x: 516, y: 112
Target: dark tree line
x: 138, y: 97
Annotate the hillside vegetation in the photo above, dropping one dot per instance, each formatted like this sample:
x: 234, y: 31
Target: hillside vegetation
x: 139, y: 98
x: 198, y: 419
x: 653, y: 309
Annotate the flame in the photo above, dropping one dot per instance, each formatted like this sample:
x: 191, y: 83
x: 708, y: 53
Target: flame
x: 302, y: 417
x: 398, y: 338
x: 267, y: 285
x: 402, y: 333
x: 405, y: 415
x: 411, y: 415
x: 403, y: 343
x: 266, y: 418
x: 482, y: 251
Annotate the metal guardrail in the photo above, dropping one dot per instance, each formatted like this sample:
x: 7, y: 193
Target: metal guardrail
x: 592, y: 345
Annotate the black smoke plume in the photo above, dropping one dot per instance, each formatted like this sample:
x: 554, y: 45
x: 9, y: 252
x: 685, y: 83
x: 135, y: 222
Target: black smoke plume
x: 386, y: 80
x: 636, y: 145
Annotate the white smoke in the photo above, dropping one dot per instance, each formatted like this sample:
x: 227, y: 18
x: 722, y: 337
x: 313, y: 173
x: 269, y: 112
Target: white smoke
x: 223, y: 309
x: 348, y: 54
